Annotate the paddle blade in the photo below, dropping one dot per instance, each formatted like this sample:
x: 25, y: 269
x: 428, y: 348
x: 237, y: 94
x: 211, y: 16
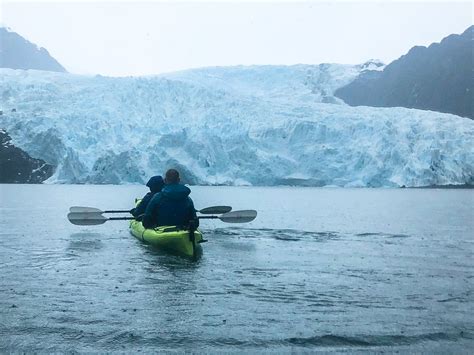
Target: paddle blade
x: 86, y: 219
x: 215, y: 210
x: 80, y: 209
x: 239, y: 216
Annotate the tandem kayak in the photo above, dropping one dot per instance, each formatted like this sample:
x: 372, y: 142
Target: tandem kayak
x: 169, y: 238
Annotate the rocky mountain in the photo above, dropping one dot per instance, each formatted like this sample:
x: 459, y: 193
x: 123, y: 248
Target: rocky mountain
x: 16, y: 166
x: 18, y: 53
x: 438, y: 78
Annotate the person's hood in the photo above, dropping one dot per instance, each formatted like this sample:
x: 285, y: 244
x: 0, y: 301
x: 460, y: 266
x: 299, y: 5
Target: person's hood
x: 175, y: 191
x: 155, y: 183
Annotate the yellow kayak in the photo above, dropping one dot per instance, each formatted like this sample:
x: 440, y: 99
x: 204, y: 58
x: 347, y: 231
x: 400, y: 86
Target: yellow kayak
x: 173, y: 238
x: 168, y: 238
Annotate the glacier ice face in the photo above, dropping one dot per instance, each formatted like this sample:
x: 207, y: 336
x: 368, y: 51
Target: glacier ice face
x: 240, y: 125
x: 303, y: 83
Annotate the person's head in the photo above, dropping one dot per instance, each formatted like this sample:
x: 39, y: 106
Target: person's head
x: 155, y: 183
x: 172, y: 176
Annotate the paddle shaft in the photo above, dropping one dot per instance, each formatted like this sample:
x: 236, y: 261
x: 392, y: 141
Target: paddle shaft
x: 192, y: 237
x: 207, y: 210
x: 214, y: 209
x: 130, y: 218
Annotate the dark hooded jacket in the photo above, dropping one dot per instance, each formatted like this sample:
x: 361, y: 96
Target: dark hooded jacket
x: 155, y: 184
x: 171, y: 207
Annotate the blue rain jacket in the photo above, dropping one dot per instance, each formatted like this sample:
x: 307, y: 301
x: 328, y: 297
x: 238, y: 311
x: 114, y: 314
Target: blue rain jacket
x: 155, y: 184
x: 171, y: 207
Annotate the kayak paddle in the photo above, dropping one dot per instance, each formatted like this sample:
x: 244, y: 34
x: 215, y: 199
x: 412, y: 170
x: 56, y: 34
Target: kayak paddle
x: 207, y: 210
x: 80, y: 209
x: 243, y: 216
x: 91, y: 218
x: 215, y: 210
x: 95, y: 218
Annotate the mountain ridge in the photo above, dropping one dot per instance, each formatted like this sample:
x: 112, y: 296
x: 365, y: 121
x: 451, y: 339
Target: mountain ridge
x: 18, y: 53
x: 438, y: 78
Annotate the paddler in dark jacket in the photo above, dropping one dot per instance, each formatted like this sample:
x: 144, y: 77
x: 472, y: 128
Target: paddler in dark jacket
x: 172, y: 206
x: 155, y: 184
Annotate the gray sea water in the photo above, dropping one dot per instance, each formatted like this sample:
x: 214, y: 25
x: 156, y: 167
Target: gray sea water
x: 351, y: 270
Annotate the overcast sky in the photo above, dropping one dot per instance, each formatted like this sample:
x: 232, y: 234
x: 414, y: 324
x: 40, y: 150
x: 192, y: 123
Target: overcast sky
x: 139, y: 38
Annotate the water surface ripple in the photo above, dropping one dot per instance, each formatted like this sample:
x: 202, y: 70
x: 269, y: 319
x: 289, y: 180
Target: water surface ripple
x: 346, y: 270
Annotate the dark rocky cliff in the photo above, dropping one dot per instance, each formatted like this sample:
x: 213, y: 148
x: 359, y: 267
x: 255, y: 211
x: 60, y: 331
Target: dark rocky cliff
x: 16, y: 166
x: 438, y: 77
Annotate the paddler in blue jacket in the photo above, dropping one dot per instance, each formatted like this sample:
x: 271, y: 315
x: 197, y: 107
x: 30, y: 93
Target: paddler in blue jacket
x: 155, y: 184
x: 172, y: 206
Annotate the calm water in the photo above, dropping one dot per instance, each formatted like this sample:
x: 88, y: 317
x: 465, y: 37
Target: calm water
x: 319, y: 269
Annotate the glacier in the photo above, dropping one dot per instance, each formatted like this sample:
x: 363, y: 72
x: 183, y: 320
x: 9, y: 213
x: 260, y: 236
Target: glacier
x: 257, y: 125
